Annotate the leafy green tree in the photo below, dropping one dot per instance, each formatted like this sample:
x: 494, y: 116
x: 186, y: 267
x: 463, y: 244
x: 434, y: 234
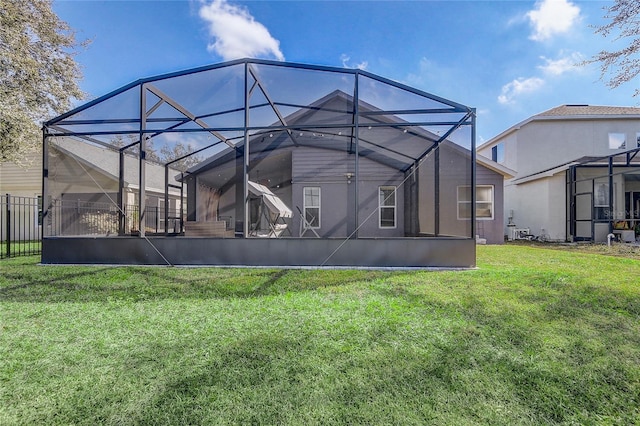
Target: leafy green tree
x: 38, y: 73
x: 624, y: 63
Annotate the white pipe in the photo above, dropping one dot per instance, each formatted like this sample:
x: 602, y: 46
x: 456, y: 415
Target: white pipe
x: 609, y: 238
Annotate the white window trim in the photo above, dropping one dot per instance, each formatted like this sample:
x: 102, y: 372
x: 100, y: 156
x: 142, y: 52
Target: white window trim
x: 304, y: 207
x: 394, y: 207
x: 459, y: 202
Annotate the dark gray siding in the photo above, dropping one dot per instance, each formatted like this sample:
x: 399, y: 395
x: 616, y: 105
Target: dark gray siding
x: 330, y: 170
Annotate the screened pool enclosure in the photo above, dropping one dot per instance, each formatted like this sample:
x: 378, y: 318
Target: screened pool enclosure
x: 262, y: 163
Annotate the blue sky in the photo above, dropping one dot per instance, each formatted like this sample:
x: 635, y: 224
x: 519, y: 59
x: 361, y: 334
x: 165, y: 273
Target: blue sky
x: 510, y: 59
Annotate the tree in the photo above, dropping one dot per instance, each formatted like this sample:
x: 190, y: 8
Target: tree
x: 179, y: 150
x: 166, y: 155
x: 38, y: 73
x: 624, y: 64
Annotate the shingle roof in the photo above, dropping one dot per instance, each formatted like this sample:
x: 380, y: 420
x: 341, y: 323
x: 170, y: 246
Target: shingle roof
x: 589, y: 110
x: 575, y: 112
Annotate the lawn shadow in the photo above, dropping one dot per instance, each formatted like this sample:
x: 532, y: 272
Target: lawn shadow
x: 134, y: 283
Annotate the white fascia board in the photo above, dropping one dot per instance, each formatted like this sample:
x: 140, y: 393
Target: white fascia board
x: 548, y: 173
x: 495, y: 166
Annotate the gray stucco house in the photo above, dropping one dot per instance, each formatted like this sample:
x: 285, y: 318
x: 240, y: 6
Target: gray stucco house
x: 577, y: 173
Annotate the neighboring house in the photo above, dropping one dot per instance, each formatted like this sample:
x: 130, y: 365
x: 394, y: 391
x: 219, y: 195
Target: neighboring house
x: 22, y: 181
x: 83, y: 191
x: 577, y: 172
x: 84, y: 185
x: 20, y: 189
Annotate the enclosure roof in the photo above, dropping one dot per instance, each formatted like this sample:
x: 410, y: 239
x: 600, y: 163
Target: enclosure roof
x: 218, y: 108
x: 627, y: 158
x: 246, y: 61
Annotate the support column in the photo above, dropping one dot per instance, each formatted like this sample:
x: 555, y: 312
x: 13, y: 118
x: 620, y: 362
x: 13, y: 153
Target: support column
x: 356, y: 133
x: 121, y: 207
x: 473, y: 173
x: 166, y: 200
x: 46, y: 205
x: 142, y: 155
x: 572, y: 203
x: 611, y: 211
x: 246, y: 155
x: 436, y: 191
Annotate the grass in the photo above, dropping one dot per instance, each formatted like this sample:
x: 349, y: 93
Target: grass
x: 21, y: 248
x: 533, y: 336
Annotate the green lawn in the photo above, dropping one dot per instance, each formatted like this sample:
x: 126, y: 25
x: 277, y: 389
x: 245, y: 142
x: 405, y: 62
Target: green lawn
x: 533, y: 336
x: 19, y: 248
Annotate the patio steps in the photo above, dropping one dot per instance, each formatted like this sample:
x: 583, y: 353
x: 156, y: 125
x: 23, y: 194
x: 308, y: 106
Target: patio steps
x: 215, y: 229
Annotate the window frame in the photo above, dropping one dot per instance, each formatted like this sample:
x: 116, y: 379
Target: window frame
x: 497, y: 153
x: 305, y: 207
x: 620, y: 146
x: 460, y: 202
x: 382, y: 206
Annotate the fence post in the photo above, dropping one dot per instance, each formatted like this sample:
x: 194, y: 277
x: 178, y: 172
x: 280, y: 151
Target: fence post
x: 8, y: 218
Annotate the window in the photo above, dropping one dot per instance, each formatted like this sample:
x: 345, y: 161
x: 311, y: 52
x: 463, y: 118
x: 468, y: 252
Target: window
x: 311, y: 205
x: 637, y: 140
x: 497, y: 153
x: 387, y: 206
x: 601, y: 206
x: 484, y: 202
x: 617, y: 141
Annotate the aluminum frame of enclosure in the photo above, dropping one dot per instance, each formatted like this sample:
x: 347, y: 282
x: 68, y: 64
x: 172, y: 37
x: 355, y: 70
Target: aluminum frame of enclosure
x: 243, y: 116
x: 591, y: 220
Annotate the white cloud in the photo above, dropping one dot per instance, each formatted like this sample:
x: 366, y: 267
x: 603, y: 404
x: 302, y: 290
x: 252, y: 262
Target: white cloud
x: 552, y: 17
x: 562, y: 65
x: 518, y: 87
x: 345, y: 62
x: 237, y: 34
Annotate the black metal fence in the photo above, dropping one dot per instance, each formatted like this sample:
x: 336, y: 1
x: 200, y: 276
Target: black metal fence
x: 68, y: 218
x: 20, y: 226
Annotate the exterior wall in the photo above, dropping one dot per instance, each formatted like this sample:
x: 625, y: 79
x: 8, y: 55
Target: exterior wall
x: 492, y: 230
x: 542, y: 145
x: 329, y: 170
x: 19, y: 181
x: 453, y: 174
x: 539, y: 205
x: 510, y: 150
